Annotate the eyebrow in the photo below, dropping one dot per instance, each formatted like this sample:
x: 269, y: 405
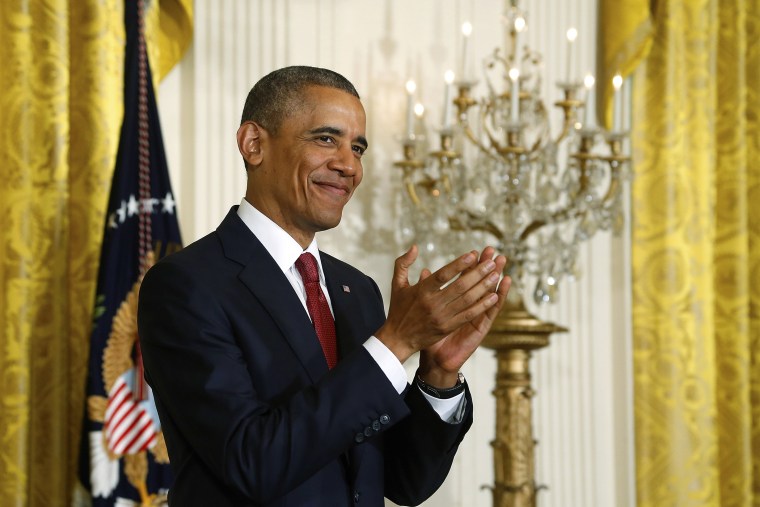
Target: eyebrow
x: 325, y: 129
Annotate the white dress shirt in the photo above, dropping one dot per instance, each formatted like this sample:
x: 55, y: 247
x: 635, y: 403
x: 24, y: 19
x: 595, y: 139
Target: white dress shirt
x: 285, y: 251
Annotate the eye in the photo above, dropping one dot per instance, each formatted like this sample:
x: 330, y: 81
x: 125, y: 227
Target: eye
x: 326, y: 139
x: 359, y: 149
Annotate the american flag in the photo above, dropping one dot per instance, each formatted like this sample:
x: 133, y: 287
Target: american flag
x: 123, y: 459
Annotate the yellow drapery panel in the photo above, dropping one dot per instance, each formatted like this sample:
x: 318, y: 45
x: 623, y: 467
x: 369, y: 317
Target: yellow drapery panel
x: 625, y: 37
x: 60, y: 114
x: 696, y: 257
x: 169, y: 32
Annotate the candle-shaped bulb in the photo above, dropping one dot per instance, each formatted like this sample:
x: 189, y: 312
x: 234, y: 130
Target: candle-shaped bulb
x: 617, y: 81
x: 448, y: 78
x: 419, y: 110
x: 572, y: 34
x: 617, y: 104
x: 466, y: 32
x: 520, y: 24
x: 411, y: 87
x: 514, y: 75
x: 588, y: 82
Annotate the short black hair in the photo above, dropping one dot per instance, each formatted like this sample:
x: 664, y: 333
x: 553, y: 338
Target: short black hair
x: 279, y: 93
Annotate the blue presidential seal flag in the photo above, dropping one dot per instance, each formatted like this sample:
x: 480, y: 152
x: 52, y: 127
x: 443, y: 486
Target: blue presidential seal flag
x: 124, y: 461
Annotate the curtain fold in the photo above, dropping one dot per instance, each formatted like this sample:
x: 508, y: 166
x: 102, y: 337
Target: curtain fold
x: 696, y: 256
x: 625, y: 38
x: 60, y: 113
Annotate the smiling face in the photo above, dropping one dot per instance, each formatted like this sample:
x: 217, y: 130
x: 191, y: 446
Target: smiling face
x: 303, y: 176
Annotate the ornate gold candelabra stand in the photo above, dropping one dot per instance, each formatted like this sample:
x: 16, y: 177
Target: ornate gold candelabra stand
x: 511, y: 187
x: 514, y: 335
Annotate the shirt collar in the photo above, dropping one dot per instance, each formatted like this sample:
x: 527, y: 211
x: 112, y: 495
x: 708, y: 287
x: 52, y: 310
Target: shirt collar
x: 281, y: 246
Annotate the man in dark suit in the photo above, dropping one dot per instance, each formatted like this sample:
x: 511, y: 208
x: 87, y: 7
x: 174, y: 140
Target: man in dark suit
x: 277, y: 377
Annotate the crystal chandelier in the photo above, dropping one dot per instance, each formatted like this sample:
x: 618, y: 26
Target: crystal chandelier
x: 500, y: 173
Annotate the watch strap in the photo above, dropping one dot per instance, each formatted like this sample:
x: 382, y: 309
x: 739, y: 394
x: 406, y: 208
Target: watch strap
x: 445, y: 392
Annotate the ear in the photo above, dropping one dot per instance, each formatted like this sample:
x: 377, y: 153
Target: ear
x: 249, y: 143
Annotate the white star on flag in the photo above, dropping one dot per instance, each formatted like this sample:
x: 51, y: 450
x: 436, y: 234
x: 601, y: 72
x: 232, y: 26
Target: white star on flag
x: 168, y: 204
x: 133, y: 206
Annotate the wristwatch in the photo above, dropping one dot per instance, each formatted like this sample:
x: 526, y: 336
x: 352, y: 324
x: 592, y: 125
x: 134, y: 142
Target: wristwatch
x: 445, y: 392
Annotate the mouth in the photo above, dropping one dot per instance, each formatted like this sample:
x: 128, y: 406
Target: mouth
x: 334, y: 188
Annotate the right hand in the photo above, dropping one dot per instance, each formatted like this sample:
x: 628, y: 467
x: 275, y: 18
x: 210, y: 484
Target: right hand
x: 424, y: 313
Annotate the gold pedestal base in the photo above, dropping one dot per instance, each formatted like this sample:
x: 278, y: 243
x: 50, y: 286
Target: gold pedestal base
x: 513, y: 336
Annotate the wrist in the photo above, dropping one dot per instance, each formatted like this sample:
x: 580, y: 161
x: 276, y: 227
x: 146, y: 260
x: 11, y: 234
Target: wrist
x: 438, y: 378
x: 399, y: 348
x: 442, y: 392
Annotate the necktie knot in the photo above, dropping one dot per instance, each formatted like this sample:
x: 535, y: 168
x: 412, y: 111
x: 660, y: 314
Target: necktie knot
x: 307, y: 267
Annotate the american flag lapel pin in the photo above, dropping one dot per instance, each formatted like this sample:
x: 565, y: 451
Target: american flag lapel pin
x: 346, y: 288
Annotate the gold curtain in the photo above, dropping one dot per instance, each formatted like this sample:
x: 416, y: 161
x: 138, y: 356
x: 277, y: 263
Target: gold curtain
x: 60, y: 114
x: 696, y: 256
x: 625, y: 38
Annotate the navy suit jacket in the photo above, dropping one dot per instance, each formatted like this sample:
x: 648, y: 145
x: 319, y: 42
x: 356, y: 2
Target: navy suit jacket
x: 250, y: 412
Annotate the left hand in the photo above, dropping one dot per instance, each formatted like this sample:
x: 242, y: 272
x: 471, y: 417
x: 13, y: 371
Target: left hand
x: 440, y: 363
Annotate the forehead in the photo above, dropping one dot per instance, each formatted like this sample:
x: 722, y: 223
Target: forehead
x: 321, y: 104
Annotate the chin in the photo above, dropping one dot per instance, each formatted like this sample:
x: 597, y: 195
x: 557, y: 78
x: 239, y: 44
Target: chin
x: 327, y: 224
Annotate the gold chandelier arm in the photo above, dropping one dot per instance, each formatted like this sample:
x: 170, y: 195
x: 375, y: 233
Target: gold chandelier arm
x: 412, y: 191
x: 615, y: 176
x: 475, y: 224
x: 569, y: 106
x: 475, y: 141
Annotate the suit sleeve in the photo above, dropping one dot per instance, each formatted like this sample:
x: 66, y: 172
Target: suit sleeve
x: 206, y: 396
x: 420, y: 449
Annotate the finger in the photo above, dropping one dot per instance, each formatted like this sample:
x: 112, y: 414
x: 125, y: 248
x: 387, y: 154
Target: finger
x: 475, y: 264
x: 462, y: 295
x: 501, y: 291
x: 487, y: 253
x: 483, y: 256
x: 501, y: 263
x: 424, y: 274
x: 450, y: 271
x: 401, y: 268
x: 479, y: 308
x: 469, y: 279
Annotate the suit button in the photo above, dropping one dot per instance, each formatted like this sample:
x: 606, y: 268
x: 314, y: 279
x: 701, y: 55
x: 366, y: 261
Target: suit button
x: 367, y: 431
x: 359, y: 438
x: 384, y: 419
x: 376, y: 425
x: 356, y: 497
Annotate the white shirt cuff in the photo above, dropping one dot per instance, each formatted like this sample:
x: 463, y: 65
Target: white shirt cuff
x: 450, y: 410
x: 388, y: 362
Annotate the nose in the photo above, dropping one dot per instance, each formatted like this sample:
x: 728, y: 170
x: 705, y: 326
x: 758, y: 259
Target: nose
x: 345, y: 162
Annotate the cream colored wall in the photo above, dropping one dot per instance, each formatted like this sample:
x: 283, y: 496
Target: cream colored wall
x: 583, y: 403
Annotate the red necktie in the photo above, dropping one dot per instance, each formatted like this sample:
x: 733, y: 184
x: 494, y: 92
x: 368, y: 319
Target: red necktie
x: 319, y: 310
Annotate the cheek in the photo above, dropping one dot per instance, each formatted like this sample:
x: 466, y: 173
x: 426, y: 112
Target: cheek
x: 358, y: 176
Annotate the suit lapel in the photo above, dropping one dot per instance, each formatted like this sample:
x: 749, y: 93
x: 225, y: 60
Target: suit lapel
x: 345, y: 309
x: 263, y: 277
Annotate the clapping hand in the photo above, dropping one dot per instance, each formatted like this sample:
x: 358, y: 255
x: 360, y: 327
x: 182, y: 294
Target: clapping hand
x: 446, y: 314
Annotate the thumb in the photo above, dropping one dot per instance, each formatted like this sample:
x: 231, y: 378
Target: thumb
x: 401, y: 268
